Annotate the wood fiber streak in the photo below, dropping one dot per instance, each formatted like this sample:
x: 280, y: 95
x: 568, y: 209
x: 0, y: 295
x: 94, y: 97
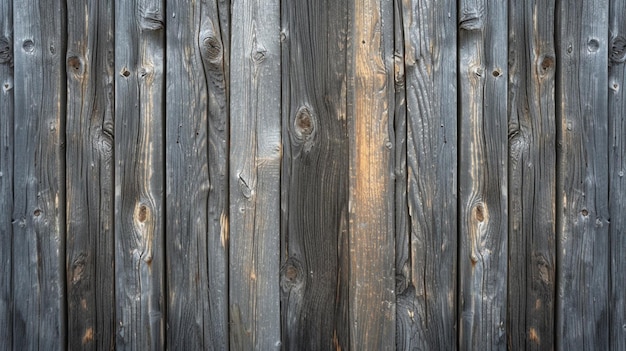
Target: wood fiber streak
x: 582, y: 176
x: 196, y: 226
x: 532, y: 178
x: 428, y: 308
x: 617, y: 169
x: 90, y: 65
x: 315, y: 175
x: 139, y: 175
x: 370, y: 109
x: 483, y: 174
x: 255, y: 163
x: 6, y: 173
x: 39, y: 176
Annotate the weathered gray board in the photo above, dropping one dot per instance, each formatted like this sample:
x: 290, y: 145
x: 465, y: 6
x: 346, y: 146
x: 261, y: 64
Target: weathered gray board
x: 312, y: 174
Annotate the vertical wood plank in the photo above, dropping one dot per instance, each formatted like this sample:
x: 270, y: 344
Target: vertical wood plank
x: 315, y: 176
x: 139, y: 165
x: 582, y: 176
x: 39, y: 173
x: 90, y: 193
x: 371, y: 190
x: 428, y: 306
x: 532, y: 178
x: 196, y: 163
x: 6, y: 173
x: 617, y: 169
x: 255, y: 175
x: 483, y: 174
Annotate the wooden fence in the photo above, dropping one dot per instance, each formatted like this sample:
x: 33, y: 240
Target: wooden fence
x: 312, y: 174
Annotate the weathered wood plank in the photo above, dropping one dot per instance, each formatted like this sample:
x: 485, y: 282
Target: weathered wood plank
x: 617, y: 169
x: 430, y: 67
x: 139, y: 174
x: 90, y: 194
x: 39, y: 176
x: 582, y: 176
x: 532, y: 178
x: 255, y: 175
x: 371, y: 186
x: 6, y: 173
x: 315, y: 175
x: 196, y: 162
x: 483, y: 174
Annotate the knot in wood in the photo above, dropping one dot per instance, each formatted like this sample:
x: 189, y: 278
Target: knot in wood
x: 74, y: 65
x: 593, y: 45
x: 547, y: 63
x: 304, y: 123
x: 618, y: 50
x: 28, y: 46
x: 142, y: 213
x: 150, y: 19
x: 212, y: 48
x: 291, y: 275
x: 6, y: 51
x: 479, y: 213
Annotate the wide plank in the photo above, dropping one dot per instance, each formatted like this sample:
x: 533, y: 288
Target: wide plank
x: 582, y: 308
x: 90, y: 188
x: 532, y: 177
x: 255, y: 159
x: 482, y: 174
x: 139, y: 175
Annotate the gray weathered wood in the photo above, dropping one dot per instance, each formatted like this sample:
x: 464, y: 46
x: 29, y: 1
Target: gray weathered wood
x: 89, y: 186
x: 617, y: 170
x: 39, y: 176
x: 255, y: 175
x: 430, y: 63
x: 315, y: 174
x: 196, y: 163
x: 6, y: 173
x: 371, y: 199
x: 483, y: 174
x: 582, y: 321
x: 139, y: 174
x: 532, y: 178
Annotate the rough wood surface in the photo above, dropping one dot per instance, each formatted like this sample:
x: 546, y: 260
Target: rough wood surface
x: 582, y: 309
x: 430, y: 70
x: 532, y: 178
x: 196, y: 163
x: 617, y: 170
x: 139, y: 175
x: 89, y: 185
x: 6, y: 173
x: 39, y: 176
x: 371, y: 200
x: 315, y: 175
x: 255, y: 160
x: 483, y: 174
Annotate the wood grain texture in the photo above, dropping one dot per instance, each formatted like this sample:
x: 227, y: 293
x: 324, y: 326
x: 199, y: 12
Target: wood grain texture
x: 90, y: 65
x: 6, y: 173
x: 139, y: 175
x: 617, y: 169
x: 371, y: 186
x: 39, y: 321
x: 196, y: 163
x: 430, y: 66
x: 255, y: 161
x: 315, y: 174
x: 532, y: 178
x: 582, y: 176
x: 483, y: 174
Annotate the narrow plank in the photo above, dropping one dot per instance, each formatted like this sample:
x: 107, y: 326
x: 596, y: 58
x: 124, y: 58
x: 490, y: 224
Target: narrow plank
x: 39, y: 176
x: 139, y: 183
x: 89, y: 185
x: 582, y: 321
x: 314, y: 176
x: 255, y: 140
x: 617, y: 169
x: 371, y: 185
x: 196, y: 134
x: 483, y: 174
x: 532, y: 178
x: 6, y: 173
x: 430, y: 64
